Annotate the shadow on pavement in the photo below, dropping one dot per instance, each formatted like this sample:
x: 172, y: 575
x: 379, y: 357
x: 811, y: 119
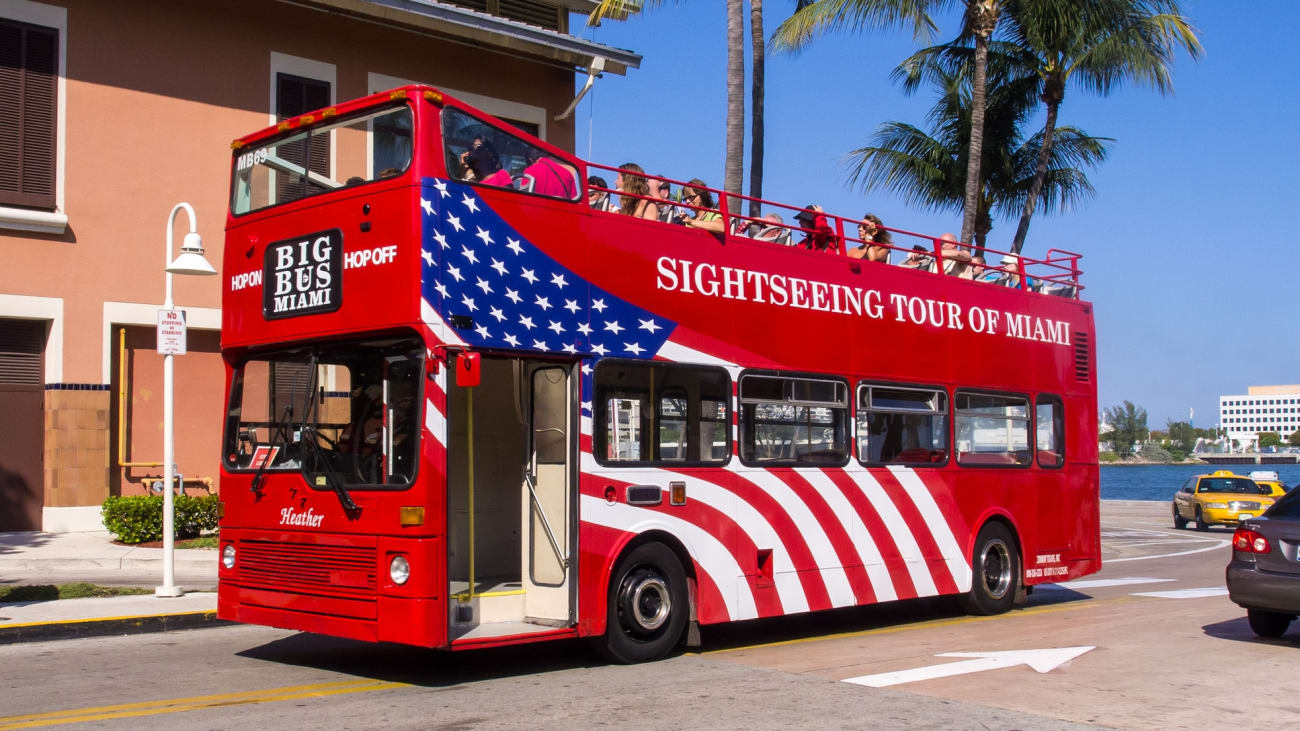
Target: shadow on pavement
x: 418, y: 666
x: 1239, y: 630
x: 22, y: 541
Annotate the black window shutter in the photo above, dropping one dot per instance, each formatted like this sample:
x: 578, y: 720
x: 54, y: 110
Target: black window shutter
x: 296, y: 95
x: 21, y: 343
x: 29, y: 59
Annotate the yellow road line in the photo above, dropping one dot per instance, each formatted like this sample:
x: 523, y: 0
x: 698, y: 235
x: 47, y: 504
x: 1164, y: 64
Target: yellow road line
x: 92, y: 620
x: 1051, y: 608
x: 195, y: 703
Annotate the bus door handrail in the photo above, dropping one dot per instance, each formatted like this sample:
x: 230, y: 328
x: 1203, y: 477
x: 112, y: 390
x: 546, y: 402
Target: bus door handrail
x: 546, y: 524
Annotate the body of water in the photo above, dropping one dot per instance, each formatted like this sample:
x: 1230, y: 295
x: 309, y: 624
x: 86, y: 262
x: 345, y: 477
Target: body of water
x: 1160, y: 482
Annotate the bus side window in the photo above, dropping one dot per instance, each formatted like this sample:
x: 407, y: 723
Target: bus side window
x: 992, y: 430
x: 661, y: 413
x: 902, y: 425
x: 1049, y: 415
x: 793, y: 420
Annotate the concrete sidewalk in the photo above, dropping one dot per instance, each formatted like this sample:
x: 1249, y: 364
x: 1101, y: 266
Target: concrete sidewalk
x: 60, y: 558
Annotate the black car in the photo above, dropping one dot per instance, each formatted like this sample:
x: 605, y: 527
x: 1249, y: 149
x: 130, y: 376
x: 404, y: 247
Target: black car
x: 1264, y: 574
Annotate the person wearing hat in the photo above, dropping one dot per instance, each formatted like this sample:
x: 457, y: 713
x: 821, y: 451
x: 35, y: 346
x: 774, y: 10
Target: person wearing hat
x: 818, y: 235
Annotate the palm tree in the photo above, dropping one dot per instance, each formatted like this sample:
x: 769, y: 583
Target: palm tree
x: 757, y: 90
x: 1101, y: 44
x: 733, y: 175
x: 927, y: 169
x: 979, y: 22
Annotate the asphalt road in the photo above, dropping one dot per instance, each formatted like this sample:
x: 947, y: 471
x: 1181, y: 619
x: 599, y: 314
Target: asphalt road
x: 1183, y: 658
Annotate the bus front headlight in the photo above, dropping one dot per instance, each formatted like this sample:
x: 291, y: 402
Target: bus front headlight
x: 228, y: 556
x: 399, y: 570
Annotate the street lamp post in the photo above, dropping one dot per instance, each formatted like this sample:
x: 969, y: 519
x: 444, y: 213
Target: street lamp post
x: 189, y: 261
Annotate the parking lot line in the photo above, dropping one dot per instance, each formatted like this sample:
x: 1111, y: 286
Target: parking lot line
x: 1186, y: 593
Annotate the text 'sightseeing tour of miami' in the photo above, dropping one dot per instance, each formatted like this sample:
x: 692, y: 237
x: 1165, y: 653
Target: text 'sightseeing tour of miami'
x: 745, y: 285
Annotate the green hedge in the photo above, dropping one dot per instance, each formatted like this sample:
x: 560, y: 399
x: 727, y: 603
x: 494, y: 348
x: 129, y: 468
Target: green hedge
x: 138, y: 518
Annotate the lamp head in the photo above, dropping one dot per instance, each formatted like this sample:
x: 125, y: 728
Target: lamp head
x: 191, y: 259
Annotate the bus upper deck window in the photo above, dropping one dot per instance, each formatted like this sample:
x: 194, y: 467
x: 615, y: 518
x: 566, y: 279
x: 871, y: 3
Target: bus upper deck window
x: 478, y: 152
x: 359, y: 148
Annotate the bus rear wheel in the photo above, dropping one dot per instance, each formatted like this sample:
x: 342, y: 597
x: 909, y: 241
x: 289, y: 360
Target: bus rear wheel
x: 996, y: 572
x: 648, y: 606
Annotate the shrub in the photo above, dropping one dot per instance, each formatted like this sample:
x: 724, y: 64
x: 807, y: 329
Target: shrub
x: 138, y: 518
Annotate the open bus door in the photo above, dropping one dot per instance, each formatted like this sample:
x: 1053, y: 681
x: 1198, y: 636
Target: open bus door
x: 511, y: 499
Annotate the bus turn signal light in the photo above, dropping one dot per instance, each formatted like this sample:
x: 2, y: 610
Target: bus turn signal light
x: 677, y: 493
x: 1249, y: 541
x: 412, y: 515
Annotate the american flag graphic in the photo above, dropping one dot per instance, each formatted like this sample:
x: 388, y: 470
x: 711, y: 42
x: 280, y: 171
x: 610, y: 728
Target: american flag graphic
x: 477, y: 266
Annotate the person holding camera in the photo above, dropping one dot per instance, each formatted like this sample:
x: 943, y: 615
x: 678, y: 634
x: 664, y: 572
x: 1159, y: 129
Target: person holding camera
x: 696, y: 195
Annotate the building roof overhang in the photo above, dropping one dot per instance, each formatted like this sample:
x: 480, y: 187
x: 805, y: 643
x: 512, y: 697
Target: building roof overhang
x: 488, y: 31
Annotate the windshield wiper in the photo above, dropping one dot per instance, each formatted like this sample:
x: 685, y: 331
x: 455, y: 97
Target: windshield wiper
x: 309, y: 433
x: 282, y: 437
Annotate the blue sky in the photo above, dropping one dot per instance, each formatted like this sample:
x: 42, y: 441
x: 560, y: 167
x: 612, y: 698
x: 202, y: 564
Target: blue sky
x: 1189, y: 248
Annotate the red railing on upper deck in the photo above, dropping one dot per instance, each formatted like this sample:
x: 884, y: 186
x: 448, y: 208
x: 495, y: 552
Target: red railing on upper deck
x: 1056, y: 274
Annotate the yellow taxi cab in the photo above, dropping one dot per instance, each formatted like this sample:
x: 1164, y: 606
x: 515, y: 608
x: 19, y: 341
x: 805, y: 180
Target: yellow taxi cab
x: 1269, y: 479
x: 1219, y: 498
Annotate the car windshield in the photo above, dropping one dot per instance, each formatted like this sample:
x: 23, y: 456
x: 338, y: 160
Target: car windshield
x: 1230, y: 484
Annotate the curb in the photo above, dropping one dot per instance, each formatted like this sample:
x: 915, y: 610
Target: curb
x: 133, y: 625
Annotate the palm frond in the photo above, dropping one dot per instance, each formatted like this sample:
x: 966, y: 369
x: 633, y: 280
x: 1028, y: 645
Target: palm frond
x: 816, y: 18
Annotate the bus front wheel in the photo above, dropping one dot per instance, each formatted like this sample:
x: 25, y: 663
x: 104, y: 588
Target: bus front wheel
x: 995, y: 571
x: 648, y: 606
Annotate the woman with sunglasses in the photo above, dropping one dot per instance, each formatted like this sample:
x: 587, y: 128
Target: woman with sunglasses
x: 875, y: 240
x: 695, y: 194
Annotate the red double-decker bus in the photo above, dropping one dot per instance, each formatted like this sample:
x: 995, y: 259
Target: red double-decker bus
x: 466, y: 408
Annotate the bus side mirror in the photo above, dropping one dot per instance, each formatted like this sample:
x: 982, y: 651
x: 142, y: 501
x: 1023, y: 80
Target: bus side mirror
x: 467, y: 370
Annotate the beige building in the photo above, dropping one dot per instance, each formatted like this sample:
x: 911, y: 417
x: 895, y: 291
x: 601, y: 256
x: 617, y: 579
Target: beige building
x: 111, y: 113
x: 1260, y: 409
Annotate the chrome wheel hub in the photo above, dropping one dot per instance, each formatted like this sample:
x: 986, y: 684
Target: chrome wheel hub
x: 996, y: 562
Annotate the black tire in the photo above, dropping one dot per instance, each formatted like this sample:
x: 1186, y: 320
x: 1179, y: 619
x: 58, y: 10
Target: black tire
x: 995, y: 569
x: 1200, y: 521
x: 648, y: 606
x: 1268, y: 624
x: 1179, y: 521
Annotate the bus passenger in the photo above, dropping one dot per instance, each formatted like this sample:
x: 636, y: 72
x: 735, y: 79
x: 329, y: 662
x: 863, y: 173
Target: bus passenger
x: 875, y: 240
x: 774, y: 230
x: 634, y: 192
x: 598, y: 199
x: 818, y: 235
x: 918, y: 259
x: 955, y: 259
x: 480, y: 161
x: 976, y: 269
x: 695, y: 193
x: 663, y: 190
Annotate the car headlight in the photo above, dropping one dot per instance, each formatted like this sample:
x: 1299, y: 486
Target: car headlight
x: 228, y: 556
x: 1221, y: 506
x: 399, y: 570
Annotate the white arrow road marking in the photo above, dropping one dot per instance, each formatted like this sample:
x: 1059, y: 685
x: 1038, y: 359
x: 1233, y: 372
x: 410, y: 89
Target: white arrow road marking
x: 1214, y: 547
x: 1041, y: 660
x: 1187, y: 593
x: 1098, y: 583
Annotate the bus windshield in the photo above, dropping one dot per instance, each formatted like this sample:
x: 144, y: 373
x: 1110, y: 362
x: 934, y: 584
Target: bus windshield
x: 356, y: 149
x: 349, y: 411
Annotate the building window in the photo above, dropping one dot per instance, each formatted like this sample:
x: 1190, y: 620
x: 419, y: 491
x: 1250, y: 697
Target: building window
x: 29, y: 73
x: 295, y: 95
x: 793, y: 420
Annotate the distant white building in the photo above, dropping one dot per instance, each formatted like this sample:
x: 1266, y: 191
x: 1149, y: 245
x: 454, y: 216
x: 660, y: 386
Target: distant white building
x: 1261, y: 408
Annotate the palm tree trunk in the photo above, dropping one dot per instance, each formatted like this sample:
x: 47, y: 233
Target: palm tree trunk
x: 983, y: 18
x: 976, y: 147
x: 1040, y: 175
x: 756, y: 107
x: 733, y: 179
